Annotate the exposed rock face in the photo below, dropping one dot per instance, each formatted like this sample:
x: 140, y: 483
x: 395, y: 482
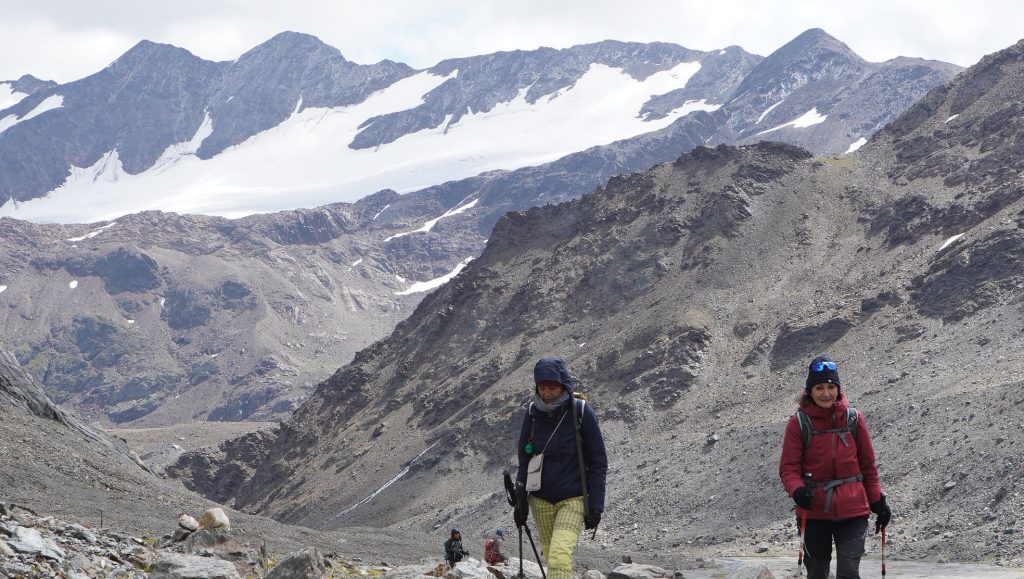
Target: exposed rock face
x: 722, y: 272
x: 184, y: 318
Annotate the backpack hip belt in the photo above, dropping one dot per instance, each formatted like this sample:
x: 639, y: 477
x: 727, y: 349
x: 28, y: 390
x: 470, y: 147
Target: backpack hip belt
x: 830, y: 485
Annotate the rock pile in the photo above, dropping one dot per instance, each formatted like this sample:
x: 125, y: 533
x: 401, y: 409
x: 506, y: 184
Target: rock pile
x: 33, y: 546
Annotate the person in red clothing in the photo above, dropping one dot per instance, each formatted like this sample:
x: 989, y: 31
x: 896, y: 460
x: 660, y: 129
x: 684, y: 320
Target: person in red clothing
x: 828, y: 467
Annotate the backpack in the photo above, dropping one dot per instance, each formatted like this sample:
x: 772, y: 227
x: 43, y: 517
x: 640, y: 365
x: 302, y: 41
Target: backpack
x: 807, y: 431
x: 491, y: 552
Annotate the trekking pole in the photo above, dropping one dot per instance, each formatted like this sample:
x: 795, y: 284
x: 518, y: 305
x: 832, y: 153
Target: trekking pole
x: 536, y: 553
x: 513, y: 501
x: 803, y: 531
x: 520, y: 575
x: 803, y: 527
x: 883, y: 551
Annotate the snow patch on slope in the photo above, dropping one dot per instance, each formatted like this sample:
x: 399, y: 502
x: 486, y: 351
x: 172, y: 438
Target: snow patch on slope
x: 430, y: 224
x: 305, y: 161
x: 8, y: 96
x: 808, y: 119
x: 425, y: 286
x: 49, y: 103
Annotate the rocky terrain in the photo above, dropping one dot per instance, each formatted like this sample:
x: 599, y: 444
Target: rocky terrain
x: 688, y: 300
x: 174, y: 319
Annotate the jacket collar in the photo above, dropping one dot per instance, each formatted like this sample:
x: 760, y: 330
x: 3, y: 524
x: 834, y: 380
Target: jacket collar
x: 837, y: 409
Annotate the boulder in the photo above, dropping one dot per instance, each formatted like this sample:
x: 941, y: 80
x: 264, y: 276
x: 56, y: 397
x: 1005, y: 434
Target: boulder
x: 752, y: 572
x: 31, y: 542
x: 176, y: 566
x: 188, y: 522
x: 593, y: 574
x: 305, y: 564
x: 6, y: 551
x: 638, y: 571
x: 412, y: 571
x: 214, y: 519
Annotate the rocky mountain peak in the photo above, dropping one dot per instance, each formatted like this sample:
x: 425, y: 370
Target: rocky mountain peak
x: 812, y: 56
x: 148, y: 56
x: 29, y: 84
x: 289, y: 45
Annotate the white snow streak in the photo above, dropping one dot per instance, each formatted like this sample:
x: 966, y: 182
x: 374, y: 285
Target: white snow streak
x: 952, y: 117
x: 430, y: 224
x: 304, y: 161
x: 176, y: 152
x: 49, y: 103
x: 384, y: 487
x: 357, y: 262
x: 73, y: 284
x: 8, y: 97
x: 3, y: 288
x: 92, y: 234
x: 425, y: 286
x: 808, y: 119
x: 381, y: 211
x: 855, y: 145
x: 950, y: 241
x: 768, y: 110
x: 400, y: 278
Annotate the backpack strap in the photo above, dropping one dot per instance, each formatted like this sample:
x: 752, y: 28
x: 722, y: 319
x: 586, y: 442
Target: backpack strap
x: 807, y: 431
x: 577, y: 419
x: 805, y: 426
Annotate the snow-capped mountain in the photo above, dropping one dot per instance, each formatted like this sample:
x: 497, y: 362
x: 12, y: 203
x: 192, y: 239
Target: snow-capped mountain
x: 292, y: 124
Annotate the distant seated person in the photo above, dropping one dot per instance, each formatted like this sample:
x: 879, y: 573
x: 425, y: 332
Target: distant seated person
x: 493, y: 552
x: 453, y: 551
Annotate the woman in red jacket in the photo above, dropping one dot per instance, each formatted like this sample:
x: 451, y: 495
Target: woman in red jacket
x: 828, y: 467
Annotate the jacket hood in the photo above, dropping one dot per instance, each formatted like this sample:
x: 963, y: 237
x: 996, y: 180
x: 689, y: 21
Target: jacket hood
x: 553, y: 369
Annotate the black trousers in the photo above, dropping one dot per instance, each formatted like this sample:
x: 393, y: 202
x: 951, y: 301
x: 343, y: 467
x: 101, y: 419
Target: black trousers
x: 849, y: 539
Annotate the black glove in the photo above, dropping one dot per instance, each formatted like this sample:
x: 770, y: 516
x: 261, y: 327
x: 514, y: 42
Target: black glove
x: 804, y: 497
x: 592, y: 520
x: 522, y: 508
x: 881, y: 509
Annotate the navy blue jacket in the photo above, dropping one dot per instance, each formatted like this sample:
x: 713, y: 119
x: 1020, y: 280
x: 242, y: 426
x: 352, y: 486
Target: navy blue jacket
x: 560, y: 477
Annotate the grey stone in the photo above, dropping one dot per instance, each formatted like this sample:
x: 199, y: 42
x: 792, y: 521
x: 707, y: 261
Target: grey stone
x: 754, y: 572
x: 305, y: 564
x: 593, y: 574
x: 5, y: 550
x: 30, y: 541
x: 177, y: 566
x: 214, y: 518
x: 188, y: 522
x: 638, y: 571
x: 80, y: 532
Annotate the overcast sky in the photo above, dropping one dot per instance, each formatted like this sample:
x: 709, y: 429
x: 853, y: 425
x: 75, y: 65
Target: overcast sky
x: 64, y: 40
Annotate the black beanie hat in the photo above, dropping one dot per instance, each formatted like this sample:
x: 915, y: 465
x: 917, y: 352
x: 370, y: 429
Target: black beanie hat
x: 823, y: 374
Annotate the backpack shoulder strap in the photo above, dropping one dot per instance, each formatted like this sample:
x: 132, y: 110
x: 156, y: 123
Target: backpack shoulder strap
x: 851, y: 420
x: 805, y: 426
x: 580, y: 413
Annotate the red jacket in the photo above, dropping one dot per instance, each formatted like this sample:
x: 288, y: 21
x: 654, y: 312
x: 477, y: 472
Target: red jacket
x: 827, y: 459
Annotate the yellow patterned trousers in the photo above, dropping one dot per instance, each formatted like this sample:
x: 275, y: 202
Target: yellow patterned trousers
x: 559, y: 525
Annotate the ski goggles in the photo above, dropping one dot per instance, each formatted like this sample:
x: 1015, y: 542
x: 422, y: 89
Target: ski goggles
x: 821, y: 366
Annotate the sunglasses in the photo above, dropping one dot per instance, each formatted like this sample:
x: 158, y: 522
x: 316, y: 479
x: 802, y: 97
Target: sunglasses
x: 819, y: 366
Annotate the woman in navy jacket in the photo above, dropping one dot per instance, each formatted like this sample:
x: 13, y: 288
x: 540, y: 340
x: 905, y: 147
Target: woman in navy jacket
x: 558, y: 506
